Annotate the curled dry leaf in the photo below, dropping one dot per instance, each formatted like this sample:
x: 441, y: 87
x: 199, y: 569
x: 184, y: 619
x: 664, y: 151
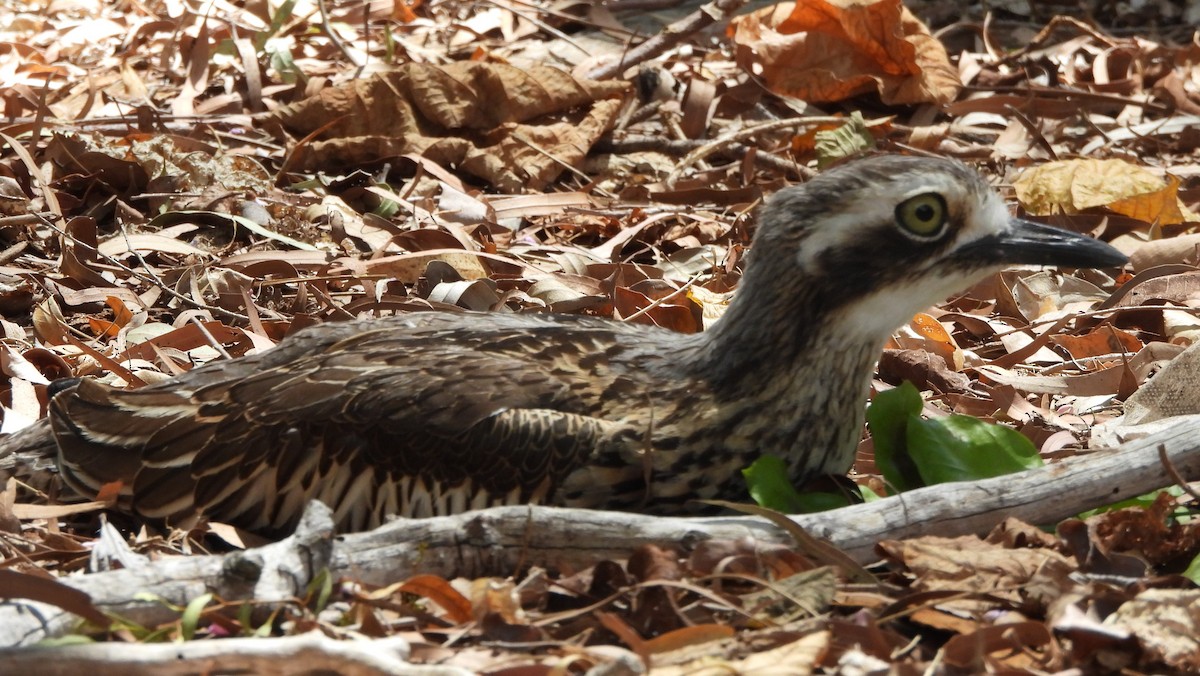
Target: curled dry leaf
x: 831, y: 50
x: 438, y: 590
x: 1181, y: 249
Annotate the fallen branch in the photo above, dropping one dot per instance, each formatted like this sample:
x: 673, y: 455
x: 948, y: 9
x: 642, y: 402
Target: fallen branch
x: 307, y: 653
x: 501, y: 540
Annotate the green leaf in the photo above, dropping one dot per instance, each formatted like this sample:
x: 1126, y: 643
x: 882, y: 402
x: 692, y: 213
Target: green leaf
x: 322, y: 587
x: 768, y: 483
x: 868, y: 494
x: 1193, y: 570
x: 191, y: 616
x: 1181, y: 513
x: 851, y: 138
x: 962, y: 448
x: 888, y: 416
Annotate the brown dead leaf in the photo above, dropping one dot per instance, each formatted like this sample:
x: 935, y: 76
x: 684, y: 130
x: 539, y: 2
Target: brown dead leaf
x: 921, y: 368
x: 1018, y: 640
x: 16, y: 585
x: 29, y: 512
x: 1182, y: 249
x: 688, y: 636
x: 188, y: 337
x: 831, y: 50
x: 1167, y: 624
x: 795, y: 658
x: 514, y: 128
x: 678, y: 314
x: 968, y: 564
x: 923, y: 332
x: 712, y: 305
x: 48, y: 323
x: 409, y: 267
x: 1105, y: 381
x: 490, y: 596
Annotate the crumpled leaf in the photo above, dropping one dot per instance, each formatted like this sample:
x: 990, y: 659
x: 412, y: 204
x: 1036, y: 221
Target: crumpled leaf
x: 831, y: 50
x: 1166, y: 623
x: 1070, y: 186
x: 514, y: 128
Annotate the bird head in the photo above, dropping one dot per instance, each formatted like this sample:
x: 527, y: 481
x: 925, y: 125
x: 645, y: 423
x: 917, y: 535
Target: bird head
x: 881, y: 238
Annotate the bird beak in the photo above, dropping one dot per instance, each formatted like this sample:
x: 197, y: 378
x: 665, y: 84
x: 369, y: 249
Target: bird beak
x: 1029, y: 243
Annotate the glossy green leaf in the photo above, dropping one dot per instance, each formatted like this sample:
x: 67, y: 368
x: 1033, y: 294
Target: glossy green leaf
x: 768, y: 483
x: 888, y: 417
x: 962, y: 448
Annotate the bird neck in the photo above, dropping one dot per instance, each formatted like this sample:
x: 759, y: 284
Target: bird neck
x: 795, y: 373
x: 769, y: 329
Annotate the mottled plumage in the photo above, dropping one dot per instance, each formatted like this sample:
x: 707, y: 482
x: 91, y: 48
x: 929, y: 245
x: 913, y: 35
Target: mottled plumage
x: 433, y: 413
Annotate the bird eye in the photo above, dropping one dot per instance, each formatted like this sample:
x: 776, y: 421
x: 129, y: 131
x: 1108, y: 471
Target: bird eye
x: 923, y: 215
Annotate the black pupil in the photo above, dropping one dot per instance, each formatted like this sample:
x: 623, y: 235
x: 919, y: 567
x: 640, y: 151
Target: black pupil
x: 924, y: 212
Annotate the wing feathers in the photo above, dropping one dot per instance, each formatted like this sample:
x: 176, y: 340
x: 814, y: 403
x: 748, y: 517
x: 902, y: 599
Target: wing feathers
x: 415, y: 416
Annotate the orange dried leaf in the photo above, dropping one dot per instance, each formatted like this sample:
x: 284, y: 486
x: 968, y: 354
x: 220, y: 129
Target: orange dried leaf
x: 109, y: 492
x: 438, y: 590
x: 929, y: 328
x: 831, y: 50
x: 1104, y: 340
x: 121, y: 316
x: 689, y: 636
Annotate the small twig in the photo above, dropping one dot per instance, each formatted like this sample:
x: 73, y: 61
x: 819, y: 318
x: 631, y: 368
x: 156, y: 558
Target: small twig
x: 1044, y: 35
x: 24, y: 219
x: 1165, y: 459
x: 679, y: 147
x: 334, y: 37
x: 541, y: 24
x: 659, y: 301
x: 737, y: 135
x: 1033, y: 130
x: 670, y: 36
x: 565, y: 165
x: 1069, y: 93
x: 212, y: 340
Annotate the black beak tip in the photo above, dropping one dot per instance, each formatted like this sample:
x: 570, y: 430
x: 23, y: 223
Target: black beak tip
x: 1036, y: 244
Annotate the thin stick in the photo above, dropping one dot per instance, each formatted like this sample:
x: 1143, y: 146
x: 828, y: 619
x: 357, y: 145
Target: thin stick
x: 669, y: 37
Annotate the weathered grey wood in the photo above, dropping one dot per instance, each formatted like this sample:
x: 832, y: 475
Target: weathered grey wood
x: 307, y: 653
x: 498, y: 541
